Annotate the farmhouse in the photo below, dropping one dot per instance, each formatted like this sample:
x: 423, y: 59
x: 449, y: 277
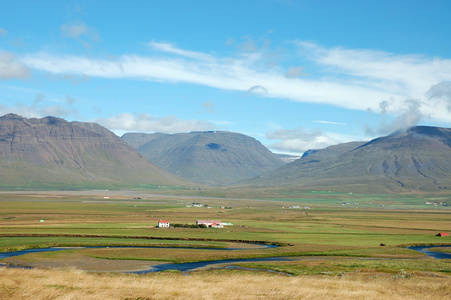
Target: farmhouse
x: 210, y: 223
x: 163, y: 224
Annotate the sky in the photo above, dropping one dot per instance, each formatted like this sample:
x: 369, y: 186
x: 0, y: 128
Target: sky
x: 295, y: 75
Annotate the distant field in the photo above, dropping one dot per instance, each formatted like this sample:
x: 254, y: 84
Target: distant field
x: 339, y: 233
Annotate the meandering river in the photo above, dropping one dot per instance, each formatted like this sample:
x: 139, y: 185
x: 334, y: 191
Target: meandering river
x: 186, y: 267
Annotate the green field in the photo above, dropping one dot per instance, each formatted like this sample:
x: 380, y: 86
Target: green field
x: 338, y: 233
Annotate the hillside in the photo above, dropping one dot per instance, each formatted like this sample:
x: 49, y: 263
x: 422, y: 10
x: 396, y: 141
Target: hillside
x: 213, y: 158
x: 53, y: 153
x: 418, y: 159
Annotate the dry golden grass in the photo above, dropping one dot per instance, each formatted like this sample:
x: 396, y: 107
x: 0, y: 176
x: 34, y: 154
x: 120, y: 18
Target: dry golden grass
x: 75, y: 284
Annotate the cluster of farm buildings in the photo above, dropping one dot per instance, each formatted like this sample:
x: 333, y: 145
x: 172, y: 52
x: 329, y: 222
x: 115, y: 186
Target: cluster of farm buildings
x: 207, y: 223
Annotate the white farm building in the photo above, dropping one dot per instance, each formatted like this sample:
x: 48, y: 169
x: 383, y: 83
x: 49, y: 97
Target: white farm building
x: 163, y: 224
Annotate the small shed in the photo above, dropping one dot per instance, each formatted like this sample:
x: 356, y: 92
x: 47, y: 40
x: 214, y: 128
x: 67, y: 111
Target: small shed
x: 163, y: 224
x: 443, y: 234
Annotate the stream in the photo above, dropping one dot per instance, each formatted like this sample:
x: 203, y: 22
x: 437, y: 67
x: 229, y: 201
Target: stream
x: 434, y: 254
x: 187, y: 267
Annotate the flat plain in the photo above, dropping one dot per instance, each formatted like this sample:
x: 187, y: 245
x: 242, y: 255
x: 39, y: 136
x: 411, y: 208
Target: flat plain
x: 333, y: 241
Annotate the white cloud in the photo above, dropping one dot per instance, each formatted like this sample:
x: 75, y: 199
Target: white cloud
x: 349, y: 78
x: 36, y: 111
x: 10, y: 68
x: 300, y: 132
x: 70, y: 100
x: 127, y: 122
x: 293, y: 72
x: 440, y: 93
x: 74, y: 31
x: 299, y: 140
x: 329, y: 122
x: 166, y: 47
x: 57, y: 111
x: 409, y: 76
x: 407, y: 117
x: 209, y: 106
x: 80, y: 32
x: 249, y: 46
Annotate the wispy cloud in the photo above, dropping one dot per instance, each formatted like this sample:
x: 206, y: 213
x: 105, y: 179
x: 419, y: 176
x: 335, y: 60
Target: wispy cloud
x: 80, y: 32
x: 39, y: 109
x: 74, y: 31
x: 294, y: 72
x: 169, y: 48
x: 329, y: 122
x: 209, y: 106
x: 10, y: 68
x: 349, y: 78
x: 126, y: 122
x: 301, y: 139
x: 407, y: 117
x: 441, y: 92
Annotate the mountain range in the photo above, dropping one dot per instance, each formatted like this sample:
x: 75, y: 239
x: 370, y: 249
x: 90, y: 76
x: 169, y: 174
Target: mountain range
x: 54, y: 153
x: 208, y: 157
x: 418, y: 159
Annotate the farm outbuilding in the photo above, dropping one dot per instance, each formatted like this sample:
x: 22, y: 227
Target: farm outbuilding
x: 443, y: 234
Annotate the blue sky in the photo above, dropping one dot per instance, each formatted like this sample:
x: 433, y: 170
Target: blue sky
x: 295, y: 75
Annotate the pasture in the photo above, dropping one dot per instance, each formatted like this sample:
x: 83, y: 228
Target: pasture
x: 324, y: 234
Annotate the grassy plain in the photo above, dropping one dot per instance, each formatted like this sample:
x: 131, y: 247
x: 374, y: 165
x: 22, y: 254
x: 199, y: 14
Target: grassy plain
x: 222, y: 284
x: 339, y: 234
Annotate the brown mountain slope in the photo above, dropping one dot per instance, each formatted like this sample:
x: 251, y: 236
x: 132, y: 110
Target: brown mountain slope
x: 209, y: 157
x: 51, y: 152
x: 418, y: 159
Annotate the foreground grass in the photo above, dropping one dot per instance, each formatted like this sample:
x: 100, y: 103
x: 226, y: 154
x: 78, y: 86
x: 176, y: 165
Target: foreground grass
x: 75, y: 284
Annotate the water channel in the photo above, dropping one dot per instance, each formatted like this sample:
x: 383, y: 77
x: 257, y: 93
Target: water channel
x: 187, y: 267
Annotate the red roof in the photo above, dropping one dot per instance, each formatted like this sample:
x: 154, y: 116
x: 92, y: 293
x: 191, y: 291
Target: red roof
x: 443, y: 234
x: 163, y: 221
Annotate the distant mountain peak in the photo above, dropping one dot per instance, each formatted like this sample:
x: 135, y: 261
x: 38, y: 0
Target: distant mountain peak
x: 417, y: 159
x: 208, y: 157
x: 12, y: 117
x: 420, y: 129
